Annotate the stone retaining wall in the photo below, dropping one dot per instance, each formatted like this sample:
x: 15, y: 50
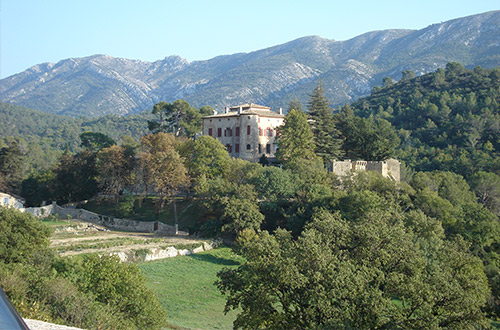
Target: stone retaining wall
x: 110, y: 222
x: 160, y: 253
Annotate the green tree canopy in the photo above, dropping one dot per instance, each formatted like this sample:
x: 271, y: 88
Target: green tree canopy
x: 121, y: 286
x: 12, y: 167
x: 162, y: 166
x: 115, y: 167
x: 209, y: 158
x: 178, y: 117
x: 21, y: 234
x: 365, y: 274
x: 295, y: 139
x: 366, y: 138
x: 79, y: 168
x: 96, y: 141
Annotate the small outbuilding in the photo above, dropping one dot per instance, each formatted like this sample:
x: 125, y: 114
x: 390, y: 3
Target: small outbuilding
x: 8, y: 200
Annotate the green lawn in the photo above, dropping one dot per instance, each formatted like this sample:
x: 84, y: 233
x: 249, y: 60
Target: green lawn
x: 185, y: 287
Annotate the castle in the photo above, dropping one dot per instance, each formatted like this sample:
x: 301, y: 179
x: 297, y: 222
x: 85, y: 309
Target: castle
x: 389, y: 168
x: 248, y: 131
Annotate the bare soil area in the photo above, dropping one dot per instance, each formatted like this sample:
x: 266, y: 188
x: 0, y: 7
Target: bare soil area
x: 77, y: 237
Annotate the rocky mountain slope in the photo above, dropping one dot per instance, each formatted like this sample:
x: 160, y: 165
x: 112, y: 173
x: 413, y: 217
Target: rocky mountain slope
x: 100, y: 84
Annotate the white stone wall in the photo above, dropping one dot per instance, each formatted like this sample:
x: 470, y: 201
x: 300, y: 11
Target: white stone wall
x: 388, y: 169
x: 160, y: 253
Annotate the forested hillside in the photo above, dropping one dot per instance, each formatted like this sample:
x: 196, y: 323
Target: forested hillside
x: 447, y: 120
x: 43, y: 137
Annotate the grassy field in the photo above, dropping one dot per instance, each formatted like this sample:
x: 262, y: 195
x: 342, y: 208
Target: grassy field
x: 185, y: 287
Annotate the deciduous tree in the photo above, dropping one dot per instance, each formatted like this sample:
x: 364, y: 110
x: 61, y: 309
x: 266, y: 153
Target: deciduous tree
x: 115, y: 170
x: 163, y: 167
x: 295, y: 138
x: 366, y: 274
x: 210, y: 158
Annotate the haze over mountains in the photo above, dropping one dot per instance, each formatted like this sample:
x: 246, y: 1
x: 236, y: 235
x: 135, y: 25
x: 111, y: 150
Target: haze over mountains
x: 100, y: 84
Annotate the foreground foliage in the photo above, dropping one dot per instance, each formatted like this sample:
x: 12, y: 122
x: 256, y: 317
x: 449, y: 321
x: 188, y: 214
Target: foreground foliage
x: 375, y: 272
x: 88, y: 292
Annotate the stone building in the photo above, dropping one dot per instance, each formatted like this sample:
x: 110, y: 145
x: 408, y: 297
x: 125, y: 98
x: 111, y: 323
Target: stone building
x: 248, y: 131
x: 11, y: 201
x: 389, y: 168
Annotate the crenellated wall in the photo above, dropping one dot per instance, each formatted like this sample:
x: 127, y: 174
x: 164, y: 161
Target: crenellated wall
x: 389, y: 168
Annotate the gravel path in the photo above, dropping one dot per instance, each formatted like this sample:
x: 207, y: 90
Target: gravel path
x: 39, y: 325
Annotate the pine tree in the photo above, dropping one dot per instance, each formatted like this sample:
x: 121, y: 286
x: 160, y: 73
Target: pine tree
x: 326, y: 135
x: 295, y: 104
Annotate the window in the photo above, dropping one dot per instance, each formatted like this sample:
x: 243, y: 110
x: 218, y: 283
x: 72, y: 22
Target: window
x: 260, y: 131
x: 248, y: 147
x: 268, y: 148
x: 260, y: 149
x: 248, y: 130
x: 237, y: 147
x: 210, y: 132
x: 219, y: 132
x: 229, y: 131
x: 237, y: 131
x: 229, y: 148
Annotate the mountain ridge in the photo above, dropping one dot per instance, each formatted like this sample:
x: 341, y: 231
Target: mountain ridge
x: 101, y: 84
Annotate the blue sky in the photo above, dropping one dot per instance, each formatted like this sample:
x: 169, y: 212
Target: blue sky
x: 38, y: 31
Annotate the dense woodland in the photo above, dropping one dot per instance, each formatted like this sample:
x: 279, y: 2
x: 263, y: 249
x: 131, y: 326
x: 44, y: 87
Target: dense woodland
x: 43, y: 137
x: 321, y: 251
x: 447, y: 120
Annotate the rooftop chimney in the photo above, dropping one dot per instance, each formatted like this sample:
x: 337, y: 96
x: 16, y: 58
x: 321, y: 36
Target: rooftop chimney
x: 280, y: 111
x: 226, y: 109
x: 240, y: 109
x: 214, y: 112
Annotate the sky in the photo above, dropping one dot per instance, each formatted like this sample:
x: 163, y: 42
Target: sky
x: 38, y: 31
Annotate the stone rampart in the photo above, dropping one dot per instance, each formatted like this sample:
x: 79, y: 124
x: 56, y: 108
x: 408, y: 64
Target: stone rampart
x: 389, y: 168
